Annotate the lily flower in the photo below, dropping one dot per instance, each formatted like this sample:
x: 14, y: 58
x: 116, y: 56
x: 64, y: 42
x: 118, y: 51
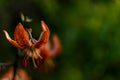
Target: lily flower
x: 39, y: 49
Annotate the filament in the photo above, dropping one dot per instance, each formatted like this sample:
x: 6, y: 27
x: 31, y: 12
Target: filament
x: 34, y: 62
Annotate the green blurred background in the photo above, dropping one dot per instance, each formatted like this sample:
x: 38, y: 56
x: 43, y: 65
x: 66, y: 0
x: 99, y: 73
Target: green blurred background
x: 89, y: 31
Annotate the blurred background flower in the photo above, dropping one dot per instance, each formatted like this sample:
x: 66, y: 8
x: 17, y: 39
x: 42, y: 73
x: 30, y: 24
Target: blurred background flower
x: 20, y: 75
x: 89, y: 31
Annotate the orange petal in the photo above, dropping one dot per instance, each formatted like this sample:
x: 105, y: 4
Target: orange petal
x: 45, y: 53
x: 8, y: 75
x: 22, y: 75
x: 56, y: 46
x: 13, y: 42
x: 21, y: 36
x: 44, y: 37
x: 48, y: 46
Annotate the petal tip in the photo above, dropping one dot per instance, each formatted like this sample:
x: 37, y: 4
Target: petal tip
x: 44, y: 26
x: 19, y: 25
x: 6, y: 34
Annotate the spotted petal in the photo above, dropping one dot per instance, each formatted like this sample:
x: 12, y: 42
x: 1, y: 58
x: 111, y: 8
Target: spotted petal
x: 44, y: 37
x: 21, y: 36
x: 13, y: 42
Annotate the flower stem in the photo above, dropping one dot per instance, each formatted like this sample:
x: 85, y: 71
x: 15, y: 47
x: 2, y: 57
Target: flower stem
x: 15, y: 66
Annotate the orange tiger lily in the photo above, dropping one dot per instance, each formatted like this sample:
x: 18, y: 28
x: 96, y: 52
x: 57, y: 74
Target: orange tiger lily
x: 39, y: 49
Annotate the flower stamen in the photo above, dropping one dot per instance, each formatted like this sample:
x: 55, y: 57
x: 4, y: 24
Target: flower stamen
x: 34, y: 62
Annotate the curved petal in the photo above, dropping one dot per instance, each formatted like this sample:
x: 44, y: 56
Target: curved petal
x: 44, y: 37
x: 21, y: 36
x: 13, y: 42
x: 48, y: 46
x: 56, y: 49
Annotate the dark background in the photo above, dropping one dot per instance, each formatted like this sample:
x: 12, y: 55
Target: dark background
x: 89, y: 31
